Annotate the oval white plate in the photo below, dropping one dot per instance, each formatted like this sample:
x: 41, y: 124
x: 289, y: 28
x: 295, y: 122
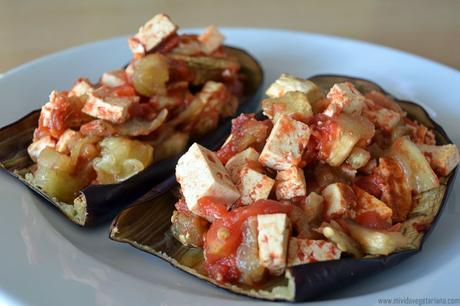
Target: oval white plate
x: 46, y: 260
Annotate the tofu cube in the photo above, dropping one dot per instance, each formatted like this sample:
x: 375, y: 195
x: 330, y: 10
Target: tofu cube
x: 273, y: 238
x: 238, y: 161
x: 285, y: 144
x: 253, y: 185
x: 351, y: 129
x: 102, y: 105
x: 36, y: 147
x: 303, y: 251
x: 67, y: 140
x: 81, y: 87
x: 346, y: 98
x: 114, y: 78
x: 293, y: 102
x: 152, y: 33
x: 287, y: 83
x: 339, y: 199
x: 313, y: 207
x: 368, y: 203
x: 211, y: 40
x: 290, y: 183
x: 383, y: 118
x: 358, y: 158
x: 443, y: 159
x: 200, y: 173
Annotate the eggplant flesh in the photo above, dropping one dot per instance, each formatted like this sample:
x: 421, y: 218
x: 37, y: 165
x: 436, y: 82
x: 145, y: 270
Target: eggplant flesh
x: 97, y: 204
x: 146, y: 226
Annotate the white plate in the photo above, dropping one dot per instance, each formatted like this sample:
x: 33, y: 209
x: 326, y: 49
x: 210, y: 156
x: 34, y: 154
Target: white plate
x: 46, y: 260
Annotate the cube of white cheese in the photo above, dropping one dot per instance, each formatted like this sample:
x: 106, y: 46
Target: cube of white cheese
x: 287, y: 83
x: 238, y: 161
x: 114, y: 78
x: 313, y: 206
x: 339, y: 200
x: 200, y: 173
x: 211, y: 39
x: 358, y: 158
x: 273, y: 238
x: 253, y: 185
x: 443, y: 159
x: 152, y: 33
x: 303, y: 251
x: 285, y: 144
x: 368, y: 203
x: 104, y: 106
x: 81, y: 87
x: 67, y: 140
x: 383, y: 118
x: 36, y: 147
x: 290, y: 183
x: 351, y: 129
x: 344, y: 97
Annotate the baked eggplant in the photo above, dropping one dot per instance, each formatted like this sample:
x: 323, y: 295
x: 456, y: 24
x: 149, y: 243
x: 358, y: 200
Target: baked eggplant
x: 100, y: 202
x: 147, y: 225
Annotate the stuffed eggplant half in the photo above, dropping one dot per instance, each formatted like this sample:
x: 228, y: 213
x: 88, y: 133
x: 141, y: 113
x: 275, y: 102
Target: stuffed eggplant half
x: 89, y: 150
x: 337, y: 181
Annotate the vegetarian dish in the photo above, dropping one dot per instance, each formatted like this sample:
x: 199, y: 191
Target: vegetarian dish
x: 336, y: 182
x: 177, y: 88
x: 323, y: 177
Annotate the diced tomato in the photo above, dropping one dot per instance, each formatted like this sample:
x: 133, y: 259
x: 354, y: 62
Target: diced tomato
x: 124, y: 91
x: 143, y: 110
x: 246, y: 131
x: 212, y: 208
x: 371, y: 219
x: 225, y: 234
x: 371, y: 184
x: 169, y: 43
x: 324, y: 131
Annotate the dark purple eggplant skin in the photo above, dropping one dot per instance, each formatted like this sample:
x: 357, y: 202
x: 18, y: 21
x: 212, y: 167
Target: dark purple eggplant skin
x: 103, y: 202
x: 315, y: 280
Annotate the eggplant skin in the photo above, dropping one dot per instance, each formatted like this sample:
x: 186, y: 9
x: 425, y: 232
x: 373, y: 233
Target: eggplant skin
x: 97, y: 204
x: 146, y: 226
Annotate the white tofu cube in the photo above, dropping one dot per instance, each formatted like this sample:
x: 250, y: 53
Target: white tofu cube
x: 152, y: 33
x: 287, y: 83
x: 81, y: 87
x: 102, y: 105
x: 313, y: 206
x: 211, y: 40
x: 368, y: 203
x: 200, y: 173
x: 67, y: 140
x: 253, y: 185
x: 290, y: 183
x: 114, y: 78
x: 285, y: 144
x: 346, y: 98
x: 443, y: 159
x: 36, y: 147
x: 351, y: 129
x: 358, y: 158
x: 339, y: 199
x: 273, y: 238
x: 238, y: 161
x: 383, y: 118
x: 303, y: 251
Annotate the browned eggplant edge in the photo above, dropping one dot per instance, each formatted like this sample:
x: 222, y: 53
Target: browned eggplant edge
x: 97, y: 204
x: 310, y: 281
